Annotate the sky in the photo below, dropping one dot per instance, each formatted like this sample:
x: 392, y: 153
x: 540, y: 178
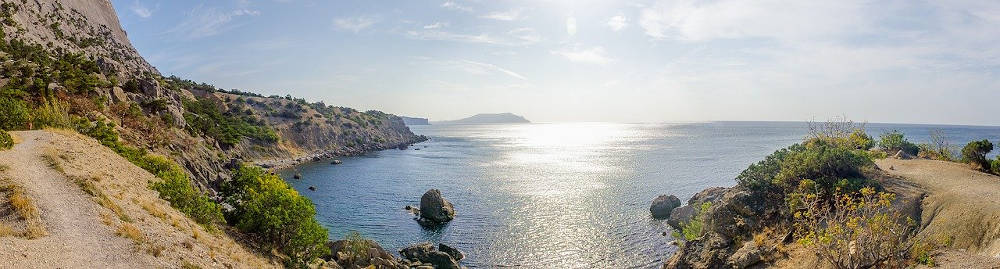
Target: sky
x: 900, y: 61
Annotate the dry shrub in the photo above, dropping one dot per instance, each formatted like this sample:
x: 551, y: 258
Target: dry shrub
x: 129, y: 231
x: 6, y: 230
x: 23, y: 205
x: 859, y: 230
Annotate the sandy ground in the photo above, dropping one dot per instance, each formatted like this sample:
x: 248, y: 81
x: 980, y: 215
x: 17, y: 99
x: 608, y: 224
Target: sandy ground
x: 962, y: 205
x: 85, y: 231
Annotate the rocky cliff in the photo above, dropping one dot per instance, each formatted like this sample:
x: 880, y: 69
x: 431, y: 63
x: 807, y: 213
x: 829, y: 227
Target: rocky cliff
x: 70, y: 61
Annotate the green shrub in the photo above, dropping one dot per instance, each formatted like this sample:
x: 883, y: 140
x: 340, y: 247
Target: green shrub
x: 894, y: 141
x: 6, y: 141
x: 13, y: 114
x: 860, y: 140
x: 268, y: 208
x: 694, y: 228
x: 357, y: 246
x: 822, y: 162
x: 995, y: 166
x: 975, y: 153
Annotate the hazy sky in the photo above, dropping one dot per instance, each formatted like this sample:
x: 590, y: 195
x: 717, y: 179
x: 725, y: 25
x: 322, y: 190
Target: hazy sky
x: 621, y: 61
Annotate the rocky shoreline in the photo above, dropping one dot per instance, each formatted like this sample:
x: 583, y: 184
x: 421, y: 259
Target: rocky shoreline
x: 282, y: 163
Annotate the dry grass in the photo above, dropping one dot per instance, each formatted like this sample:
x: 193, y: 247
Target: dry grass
x: 26, y: 210
x: 129, y: 231
x: 52, y: 158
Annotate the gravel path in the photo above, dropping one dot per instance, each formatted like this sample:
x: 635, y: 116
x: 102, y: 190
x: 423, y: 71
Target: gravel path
x: 76, y: 237
x: 962, y: 203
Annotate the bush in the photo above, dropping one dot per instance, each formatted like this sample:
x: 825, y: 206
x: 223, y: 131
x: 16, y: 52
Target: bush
x: 6, y: 141
x: 268, y: 208
x: 975, y: 153
x: 861, y: 140
x: 860, y: 230
x: 995, y: 166
x: 824, y: 163
x: 894, y: 141
x: 694, y: 228
x: 13, y: 114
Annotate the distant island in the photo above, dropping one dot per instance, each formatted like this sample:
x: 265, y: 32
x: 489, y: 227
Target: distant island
x: 499, y: 118
x: 415, y: 121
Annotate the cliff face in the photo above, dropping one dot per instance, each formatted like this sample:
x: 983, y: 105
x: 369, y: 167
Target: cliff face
x: 155, y: 113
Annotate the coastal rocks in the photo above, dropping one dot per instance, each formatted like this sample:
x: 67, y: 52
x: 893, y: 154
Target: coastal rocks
x: 425, y: 253
x: 663, y: 205
x: 683, y: 214
x: 749, y: 254
x: 734, y: 214
x: 375, y: 256
x: 434, y: 209
x: 453, y: 252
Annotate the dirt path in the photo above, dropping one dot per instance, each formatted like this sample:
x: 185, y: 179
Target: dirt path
x: 76, y: 237
x: 962, y: 203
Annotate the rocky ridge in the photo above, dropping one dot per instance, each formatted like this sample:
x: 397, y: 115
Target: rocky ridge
x: 149, y: 110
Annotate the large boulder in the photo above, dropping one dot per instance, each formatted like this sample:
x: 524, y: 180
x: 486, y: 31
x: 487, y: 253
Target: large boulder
x: 707, y: 195
x: 681, y: 216
x: 662, y: 205
x: 422, y: 253
x: 434, y: 209
x: 453, y: 252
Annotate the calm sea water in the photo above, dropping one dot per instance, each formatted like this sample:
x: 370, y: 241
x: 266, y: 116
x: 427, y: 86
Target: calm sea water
x: 572, y: 195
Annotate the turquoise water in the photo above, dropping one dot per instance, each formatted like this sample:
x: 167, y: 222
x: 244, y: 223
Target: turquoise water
x: 572, y: 195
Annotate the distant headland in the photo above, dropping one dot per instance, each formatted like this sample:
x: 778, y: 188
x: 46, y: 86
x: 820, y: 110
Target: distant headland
x: 415, y: 121
x: 499, y: 118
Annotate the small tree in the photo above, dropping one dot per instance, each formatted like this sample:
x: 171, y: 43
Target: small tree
x: 895, y: 141
x: 975, y: 152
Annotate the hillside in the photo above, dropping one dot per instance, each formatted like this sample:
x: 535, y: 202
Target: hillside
x: 500, y: 118
x: 69, y: 62
x: 96, y: 210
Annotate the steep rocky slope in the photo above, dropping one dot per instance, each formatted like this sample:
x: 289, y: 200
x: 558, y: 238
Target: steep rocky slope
x: 98, y: 212
x: 67, y: 61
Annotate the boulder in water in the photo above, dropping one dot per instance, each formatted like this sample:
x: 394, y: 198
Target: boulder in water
x: 336, y: 162
x: 312, y: 188
x: 297, y: 176
x: 663, y: 205
x: 453, y: 252
x: 434, y: 209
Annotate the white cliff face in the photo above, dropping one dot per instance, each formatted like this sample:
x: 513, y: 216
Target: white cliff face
x: 78, y: 26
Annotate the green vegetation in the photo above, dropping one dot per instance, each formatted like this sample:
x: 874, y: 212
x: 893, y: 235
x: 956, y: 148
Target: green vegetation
x: 175, y: 186
x: 894, y: 141
x: 357, y: 246
x: 820, y: 189
x: 6, y: 141
x: 975, y: 152
x: 13, y: 114
x: 695, y: 228
x: 229, y: 127
x: 267, y: 208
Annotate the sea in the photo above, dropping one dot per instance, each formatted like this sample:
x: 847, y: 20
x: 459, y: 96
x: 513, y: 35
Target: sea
x: 553, y: 195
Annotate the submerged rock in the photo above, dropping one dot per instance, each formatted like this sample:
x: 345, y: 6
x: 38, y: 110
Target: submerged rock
x: 297, y: 176
x: 336, y: 162
x: 312, y: 188
x: 663, y: 205
x: 434, y: 209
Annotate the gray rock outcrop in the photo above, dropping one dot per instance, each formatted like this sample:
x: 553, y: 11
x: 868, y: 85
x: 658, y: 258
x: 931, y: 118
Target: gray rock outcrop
x: 425, y: 253
x: 434, y: 209
x: 663, y: 205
